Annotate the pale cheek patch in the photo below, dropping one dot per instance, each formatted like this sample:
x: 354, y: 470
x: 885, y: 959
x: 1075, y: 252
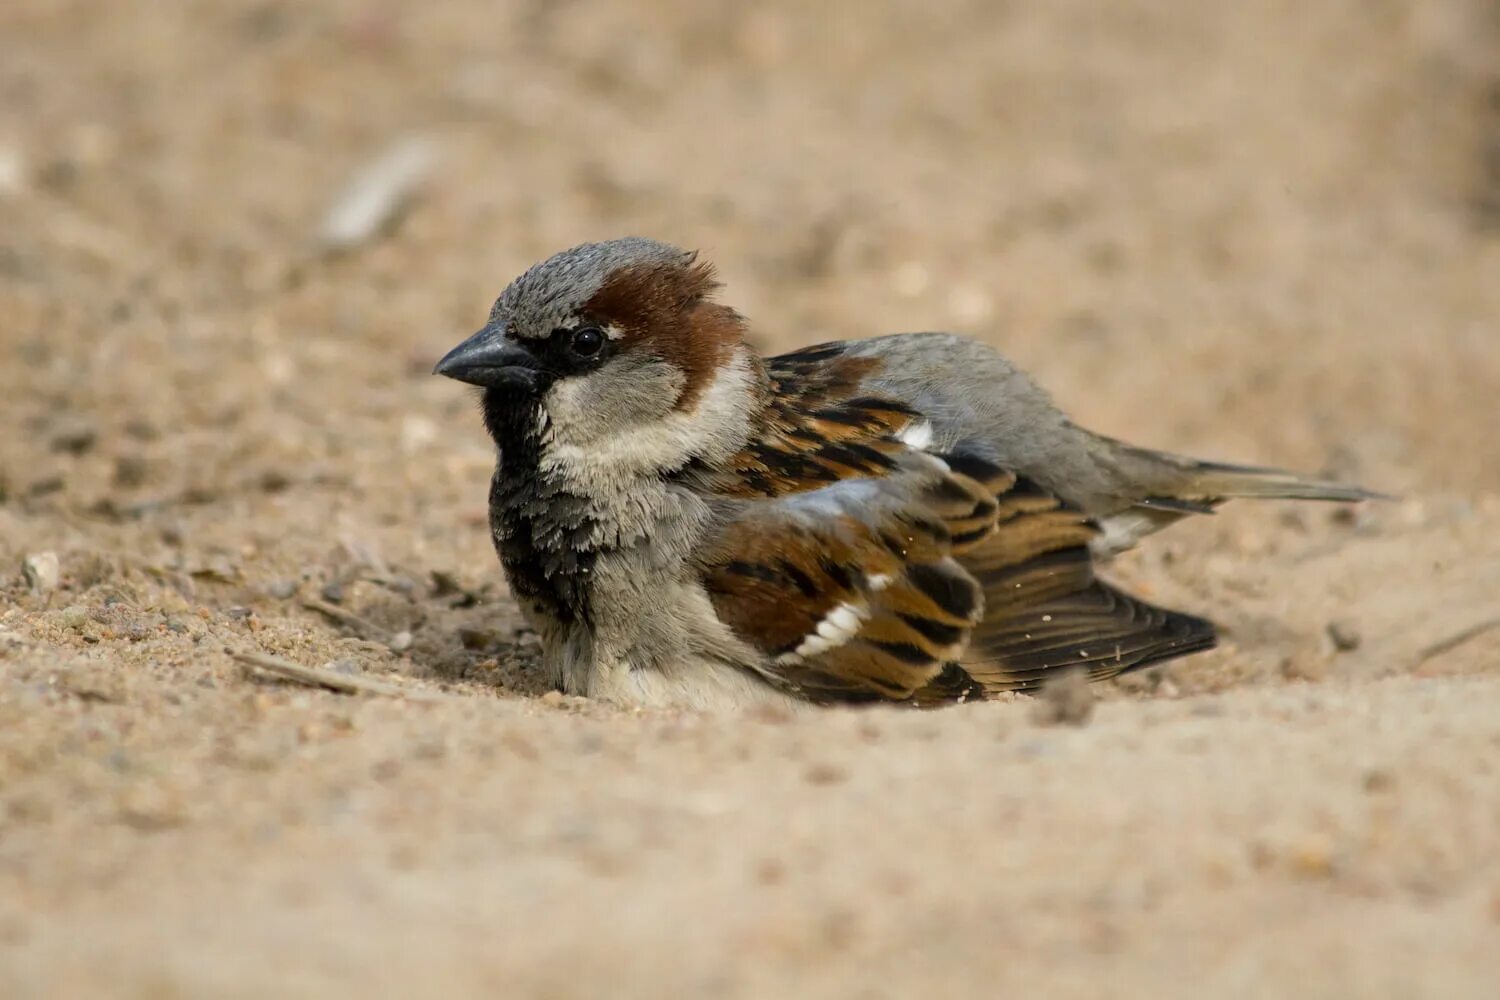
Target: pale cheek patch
x: 837, y: 627
x: 621, y: 451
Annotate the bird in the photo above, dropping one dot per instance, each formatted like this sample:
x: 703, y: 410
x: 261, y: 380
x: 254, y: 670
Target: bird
x: 906, y: 519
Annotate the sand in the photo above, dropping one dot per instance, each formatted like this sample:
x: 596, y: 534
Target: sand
x: 1263, y: 232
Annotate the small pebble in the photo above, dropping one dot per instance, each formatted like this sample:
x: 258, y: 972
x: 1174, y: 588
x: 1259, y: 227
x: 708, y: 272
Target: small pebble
x: 333, y: 592
x: 477, y: 638
x: 770, y: 871
x: 377, y: 194
x: 1304, y: 668
x: 74, y: 616
x: 131, y: 471
x: 1067, y: 700
x: 400, y: 642
x: 73, y: 436
x: 825, y: 774
x: 1344, y: 636
x: 445, y: 583
x: 42, y: 571
x: 1312, y: 857
x: 219, y: 566
x: 343, y: 666
x: 403, y: 585
x: 281, y: 589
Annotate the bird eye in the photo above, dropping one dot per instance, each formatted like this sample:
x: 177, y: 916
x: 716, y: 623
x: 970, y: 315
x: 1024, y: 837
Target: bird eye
x: 587, y: 341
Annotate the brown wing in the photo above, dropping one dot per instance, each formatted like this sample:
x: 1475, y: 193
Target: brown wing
x: 903, y: 579
x: 819, y: 427
x: 851, y: 592
x: 1045, y: 610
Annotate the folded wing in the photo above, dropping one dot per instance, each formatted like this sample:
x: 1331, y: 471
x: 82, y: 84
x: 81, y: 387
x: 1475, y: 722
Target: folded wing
x: 863, y: 568
x: 851, y: 591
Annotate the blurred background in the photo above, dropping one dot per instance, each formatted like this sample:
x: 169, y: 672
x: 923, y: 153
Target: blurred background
x: 1268, y: 231
x: 236, y: 234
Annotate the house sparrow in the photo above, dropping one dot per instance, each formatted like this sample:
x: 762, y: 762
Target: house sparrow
x: 906, y: 518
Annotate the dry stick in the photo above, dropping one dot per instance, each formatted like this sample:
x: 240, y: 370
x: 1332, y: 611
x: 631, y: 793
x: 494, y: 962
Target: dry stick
x: 377, y: 194
x: 354, y: 621
x: 318, y: 677
x: 1455, y: 640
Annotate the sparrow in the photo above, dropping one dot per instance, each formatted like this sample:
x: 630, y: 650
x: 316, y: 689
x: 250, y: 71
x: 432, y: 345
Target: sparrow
x: 906, y: 518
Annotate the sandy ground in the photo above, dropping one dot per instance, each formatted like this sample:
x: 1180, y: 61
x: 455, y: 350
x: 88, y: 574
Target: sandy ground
x: 1266, y: 231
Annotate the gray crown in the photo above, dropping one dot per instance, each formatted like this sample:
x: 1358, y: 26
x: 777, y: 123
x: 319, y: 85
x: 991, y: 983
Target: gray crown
x: 550, y: 294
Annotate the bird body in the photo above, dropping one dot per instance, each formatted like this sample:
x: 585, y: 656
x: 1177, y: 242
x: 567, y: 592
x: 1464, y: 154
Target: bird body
x: 904, y: 519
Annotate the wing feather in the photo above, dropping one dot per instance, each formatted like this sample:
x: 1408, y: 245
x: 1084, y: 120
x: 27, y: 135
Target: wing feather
x: 1045, y: 609
x: 852, y: 594
x: 864, y: 568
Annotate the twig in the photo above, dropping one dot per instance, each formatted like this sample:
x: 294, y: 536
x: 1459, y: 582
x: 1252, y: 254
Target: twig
x: 377, y: 194
x: 1455, y: 640
x: 354, y: 621
x: 318, y: 677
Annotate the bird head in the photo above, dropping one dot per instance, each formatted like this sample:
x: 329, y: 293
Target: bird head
x: 612, y: 342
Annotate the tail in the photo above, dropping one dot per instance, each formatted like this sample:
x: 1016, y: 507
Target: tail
x: 1160, y: 478
x: 1212, y: 481
x: 1169, y: 487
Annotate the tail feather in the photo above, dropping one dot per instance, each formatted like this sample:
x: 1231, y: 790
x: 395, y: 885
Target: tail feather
x: 1222, y: 481
x: 1172, y: 481
x: 1167, y: 488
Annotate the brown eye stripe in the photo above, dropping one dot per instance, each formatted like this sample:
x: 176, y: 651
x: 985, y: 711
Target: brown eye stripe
x: 664, y: 308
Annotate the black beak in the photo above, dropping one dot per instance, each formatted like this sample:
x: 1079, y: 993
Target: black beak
x: 491, y: 359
